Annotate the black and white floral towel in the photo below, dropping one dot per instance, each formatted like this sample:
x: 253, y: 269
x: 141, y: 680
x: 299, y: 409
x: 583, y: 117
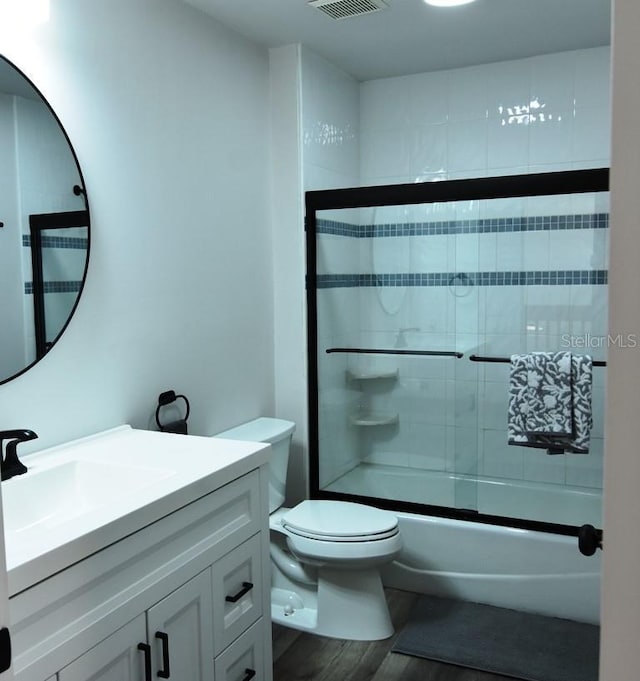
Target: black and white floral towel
x: 550, y: 401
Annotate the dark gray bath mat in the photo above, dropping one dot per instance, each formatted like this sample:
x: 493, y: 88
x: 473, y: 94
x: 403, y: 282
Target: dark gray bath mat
x: 500, y: 641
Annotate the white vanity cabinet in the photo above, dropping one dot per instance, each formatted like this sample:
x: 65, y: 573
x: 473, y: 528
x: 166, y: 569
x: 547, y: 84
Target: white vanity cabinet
x: 186, y: 597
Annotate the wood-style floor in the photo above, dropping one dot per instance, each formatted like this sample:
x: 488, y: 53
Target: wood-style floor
x: 304, y: 657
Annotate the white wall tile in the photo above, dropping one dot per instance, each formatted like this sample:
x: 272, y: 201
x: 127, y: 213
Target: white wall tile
x: 551, y: 141
x: 552, y: 82
x: 591, y: 134
x: 386, y: 153
x: 428, y: 150
x: 538, y: 466
x: 501, y: 460
x: 508, y: 88
x: 428, y: 98
x: 467, y: 94
x: 384, y: 104
x: 535, y: 250
x: 508, y: 144
x: 488, y: 252
x: 467, y: 146
x: 593, y: 77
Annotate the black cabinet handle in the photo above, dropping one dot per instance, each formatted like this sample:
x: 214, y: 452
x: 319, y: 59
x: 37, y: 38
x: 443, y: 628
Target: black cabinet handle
x: 246, y: 587
x: 165, y: 672
x: 146, y: 649
x: 5, y: 646
x: 248, y: 674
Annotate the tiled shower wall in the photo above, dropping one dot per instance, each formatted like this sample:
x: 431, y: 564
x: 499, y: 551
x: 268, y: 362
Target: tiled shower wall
x: 452, y: 412
x: 541, y: 114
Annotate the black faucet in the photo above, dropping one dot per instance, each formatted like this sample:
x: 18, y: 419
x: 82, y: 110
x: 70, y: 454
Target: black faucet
x: 11, y: 465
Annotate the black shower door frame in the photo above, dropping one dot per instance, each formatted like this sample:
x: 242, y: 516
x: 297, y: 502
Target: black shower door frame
x: 511, y: 186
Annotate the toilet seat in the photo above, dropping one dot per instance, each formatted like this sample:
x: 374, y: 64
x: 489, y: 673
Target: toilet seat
x: 339, y: 521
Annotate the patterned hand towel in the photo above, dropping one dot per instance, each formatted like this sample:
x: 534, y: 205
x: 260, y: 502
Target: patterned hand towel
x: 548, y: 394
x: 582, y: 390
x: 550, y: 402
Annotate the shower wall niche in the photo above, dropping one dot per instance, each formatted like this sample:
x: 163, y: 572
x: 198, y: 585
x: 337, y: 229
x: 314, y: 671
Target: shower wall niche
x: 409, y: 303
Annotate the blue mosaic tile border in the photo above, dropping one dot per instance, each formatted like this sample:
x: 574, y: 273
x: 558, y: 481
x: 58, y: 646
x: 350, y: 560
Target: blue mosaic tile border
x: 338, y: 228
x: 74, y: 243
x: 55, y: 286
x: 531, y: 278
x: 484, y: 226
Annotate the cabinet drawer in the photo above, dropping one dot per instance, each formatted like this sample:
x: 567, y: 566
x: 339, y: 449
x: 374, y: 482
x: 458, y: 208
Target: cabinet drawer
x: 243, y: 660
x: 237, y: 592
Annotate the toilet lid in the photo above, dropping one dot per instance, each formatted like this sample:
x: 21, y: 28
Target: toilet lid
x: 340, y: 521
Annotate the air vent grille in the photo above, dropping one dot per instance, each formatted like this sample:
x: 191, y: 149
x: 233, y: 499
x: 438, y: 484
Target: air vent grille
x: 343, y: 9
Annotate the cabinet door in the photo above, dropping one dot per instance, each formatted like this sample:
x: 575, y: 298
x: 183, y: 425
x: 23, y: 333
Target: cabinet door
x: 180, y: 631
x: 117, y: 658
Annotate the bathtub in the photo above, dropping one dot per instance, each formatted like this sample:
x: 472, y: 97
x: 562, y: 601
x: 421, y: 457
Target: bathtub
x: 514, y: 568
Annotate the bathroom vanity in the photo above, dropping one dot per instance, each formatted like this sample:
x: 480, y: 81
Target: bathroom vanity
x: 145, y: 557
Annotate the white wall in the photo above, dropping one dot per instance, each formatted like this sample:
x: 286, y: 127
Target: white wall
x: 167, y: 111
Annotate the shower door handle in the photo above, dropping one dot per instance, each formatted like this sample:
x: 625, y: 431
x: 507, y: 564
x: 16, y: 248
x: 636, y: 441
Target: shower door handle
x: 589, y: 539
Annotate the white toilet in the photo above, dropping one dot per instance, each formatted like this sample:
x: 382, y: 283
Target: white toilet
x: 325, y: 555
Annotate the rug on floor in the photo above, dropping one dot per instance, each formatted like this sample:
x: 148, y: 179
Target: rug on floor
x: 500, y: 641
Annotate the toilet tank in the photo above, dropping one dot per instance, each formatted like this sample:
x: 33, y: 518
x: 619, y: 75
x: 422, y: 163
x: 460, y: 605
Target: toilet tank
x: 278, y: 433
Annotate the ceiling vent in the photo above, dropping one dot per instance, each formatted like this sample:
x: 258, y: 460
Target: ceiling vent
x: 343, y: 9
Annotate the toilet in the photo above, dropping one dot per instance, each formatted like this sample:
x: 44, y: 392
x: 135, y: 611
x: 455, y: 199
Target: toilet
x: 325, y: 555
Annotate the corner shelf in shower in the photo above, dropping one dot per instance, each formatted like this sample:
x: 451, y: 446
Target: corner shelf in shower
x: 370, y: 374
x: 368, y: 420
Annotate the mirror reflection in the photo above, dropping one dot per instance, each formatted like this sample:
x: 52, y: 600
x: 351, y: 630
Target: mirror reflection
x: 44, y: 225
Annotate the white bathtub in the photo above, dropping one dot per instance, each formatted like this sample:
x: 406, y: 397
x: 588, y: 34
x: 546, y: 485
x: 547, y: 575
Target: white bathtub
x: 520, y: 569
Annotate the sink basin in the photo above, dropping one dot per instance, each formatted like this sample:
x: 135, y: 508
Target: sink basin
x: 53, y: 496
x: 80, y: 496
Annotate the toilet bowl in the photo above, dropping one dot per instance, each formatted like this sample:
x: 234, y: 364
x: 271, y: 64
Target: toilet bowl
x: 325, y: 554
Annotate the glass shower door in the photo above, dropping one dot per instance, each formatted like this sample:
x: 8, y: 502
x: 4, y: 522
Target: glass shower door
x: 419, y: 307
x: 390, y: 412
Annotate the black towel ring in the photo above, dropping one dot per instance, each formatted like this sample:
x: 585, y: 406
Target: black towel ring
x: 167, y: 398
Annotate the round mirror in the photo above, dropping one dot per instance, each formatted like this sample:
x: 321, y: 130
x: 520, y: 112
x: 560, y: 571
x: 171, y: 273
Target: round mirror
x: 44, y: 225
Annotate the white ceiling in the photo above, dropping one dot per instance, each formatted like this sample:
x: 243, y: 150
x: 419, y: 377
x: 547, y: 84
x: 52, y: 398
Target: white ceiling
x: 412, y: 37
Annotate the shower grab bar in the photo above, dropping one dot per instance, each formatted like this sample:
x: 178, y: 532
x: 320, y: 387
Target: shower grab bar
x: 375, y: 351
x: 507, y: 360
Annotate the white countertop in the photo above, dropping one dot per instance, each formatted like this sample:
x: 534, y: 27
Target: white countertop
x: 133, y: 478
